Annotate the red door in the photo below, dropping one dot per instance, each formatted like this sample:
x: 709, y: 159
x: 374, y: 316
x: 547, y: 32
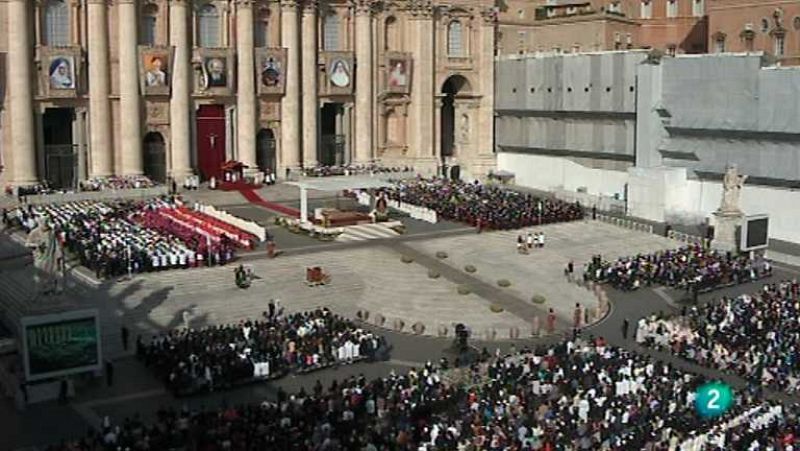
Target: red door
x: 210, y: 140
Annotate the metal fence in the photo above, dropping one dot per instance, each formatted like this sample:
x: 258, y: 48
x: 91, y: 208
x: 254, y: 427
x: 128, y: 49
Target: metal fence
x: 603, y: 203
x: 685, y: 237
x: 625, y: 223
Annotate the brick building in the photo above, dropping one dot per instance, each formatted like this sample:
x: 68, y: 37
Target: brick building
x: 570, y: 26
x: 771, y: 26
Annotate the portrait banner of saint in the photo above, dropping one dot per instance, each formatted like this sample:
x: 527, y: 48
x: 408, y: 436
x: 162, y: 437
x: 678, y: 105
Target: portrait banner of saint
x: 155, y: 71
x: 398, y: 74
x: 62, y: 72
x: 154, y: 66
x: 216, y: 72
x: 339, y: 73
x: 270, y: 71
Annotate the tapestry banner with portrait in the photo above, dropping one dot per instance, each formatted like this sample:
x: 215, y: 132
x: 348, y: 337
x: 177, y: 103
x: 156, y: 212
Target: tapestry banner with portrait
x: 61, y: 70
x: 213, y: 72
x: 339, y: 76
x: 398, y: 69
x: 155, y: 70
x: 271, y: 71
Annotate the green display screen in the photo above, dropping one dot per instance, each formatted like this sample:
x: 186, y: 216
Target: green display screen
x: 62, y: 346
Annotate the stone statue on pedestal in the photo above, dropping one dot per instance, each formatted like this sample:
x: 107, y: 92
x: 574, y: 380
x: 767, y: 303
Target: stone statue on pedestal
x: 728, y: 218
x: 48, y: 258
x: 732, y: 185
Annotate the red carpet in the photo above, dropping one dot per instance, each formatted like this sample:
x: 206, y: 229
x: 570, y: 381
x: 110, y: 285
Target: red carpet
x: 236, y: 186
x: 254, y: 198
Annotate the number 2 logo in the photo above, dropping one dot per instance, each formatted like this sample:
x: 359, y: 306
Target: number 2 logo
x: 714, y: 397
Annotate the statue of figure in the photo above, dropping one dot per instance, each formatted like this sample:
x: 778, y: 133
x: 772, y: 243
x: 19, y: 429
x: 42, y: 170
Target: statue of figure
x: 732, y: 185
x: 465, y: 128
x: 48, y: 257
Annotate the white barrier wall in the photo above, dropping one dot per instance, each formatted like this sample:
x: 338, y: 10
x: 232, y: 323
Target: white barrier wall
x: 656, y: 194
x: 552, y: 173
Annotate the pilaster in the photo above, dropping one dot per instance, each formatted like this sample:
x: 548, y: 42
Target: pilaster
x: 310, y: 103
x: 129, y: 100
x: 20, y: 93
x: 100, y: 142
x: 364, y: 79
x: 246, y: 87
x: 290, y: 104
x: 180, y: 127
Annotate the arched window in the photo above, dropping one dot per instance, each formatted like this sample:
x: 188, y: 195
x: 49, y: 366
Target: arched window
x: 208, y: 26
x: 455, y: 44
x: 330, y: 32
x: 56, y: 23
x: 391, y: 38
x: 149, y: 25
x: 261, y: 39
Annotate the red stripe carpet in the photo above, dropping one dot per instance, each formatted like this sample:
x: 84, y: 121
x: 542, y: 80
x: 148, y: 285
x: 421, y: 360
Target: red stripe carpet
x: 256, y: 199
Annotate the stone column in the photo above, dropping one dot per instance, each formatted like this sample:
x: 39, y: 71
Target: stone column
x: 20, y: 93
x: 180, y: 127
x: 129, y: 100
x: 100, y: 142
x: 290, y: 104
x: 310, y: 104
x: 423, y: 91
x: 246, y: 86
x: 364, y: 98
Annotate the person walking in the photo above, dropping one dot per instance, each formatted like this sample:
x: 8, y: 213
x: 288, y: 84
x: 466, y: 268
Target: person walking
x: 125, y: 333
x: 625, y: 326
x: 551, y: 321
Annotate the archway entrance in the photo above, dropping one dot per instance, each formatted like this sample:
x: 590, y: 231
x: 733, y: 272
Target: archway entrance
x: 155, y: 157
x: 210, y: 140
x: 265, y: 151
x: 455, y: 85
x: 60, y: 159
x: 332, y: 138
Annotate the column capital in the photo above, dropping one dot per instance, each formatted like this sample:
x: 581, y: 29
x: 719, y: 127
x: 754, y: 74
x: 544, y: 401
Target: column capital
x: 289, y: 4
x: 245, y: 3
x: 309, y: 6
x: 489, y: 15
x: 125, y: 2
x: 420, y: 9
x: 98, y: 2
x: 365, y: 6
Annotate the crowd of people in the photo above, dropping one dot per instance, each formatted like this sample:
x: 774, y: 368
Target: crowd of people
x: 483, y: 206
x: 756, y: 336
x: 116, y: 238
x: 351, y: 169
x: 218, y: 357
x: 116, y: 182
x: 689, y: 267
x: 577, y: 395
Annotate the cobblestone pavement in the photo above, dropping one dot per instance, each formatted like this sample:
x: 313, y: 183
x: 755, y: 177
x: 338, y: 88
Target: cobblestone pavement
x: 366, y: 276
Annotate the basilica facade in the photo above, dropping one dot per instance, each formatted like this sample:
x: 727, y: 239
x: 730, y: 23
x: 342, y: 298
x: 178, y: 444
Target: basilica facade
x: 170, y: 88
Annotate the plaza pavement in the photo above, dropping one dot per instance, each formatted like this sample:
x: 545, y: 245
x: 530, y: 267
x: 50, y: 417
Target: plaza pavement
x: 366, y: 276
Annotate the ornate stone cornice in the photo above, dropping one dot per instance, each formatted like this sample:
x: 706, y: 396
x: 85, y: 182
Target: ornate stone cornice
x: 310, y: 6
x: 421, y: 9
x: 489, y: 15
x: 289, y: 4
x: 364, y: 6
